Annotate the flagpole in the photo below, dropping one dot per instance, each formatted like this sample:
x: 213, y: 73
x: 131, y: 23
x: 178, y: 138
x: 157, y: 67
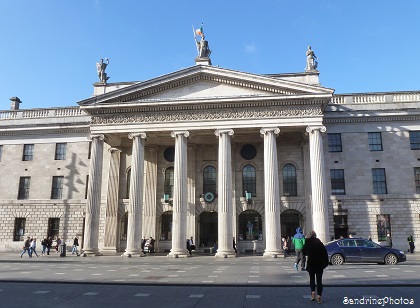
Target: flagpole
x: 195, y: 38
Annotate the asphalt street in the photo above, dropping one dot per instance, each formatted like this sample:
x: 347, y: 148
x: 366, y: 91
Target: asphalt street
x: 198, y: 281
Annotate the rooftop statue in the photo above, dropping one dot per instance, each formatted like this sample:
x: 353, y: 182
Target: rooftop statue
x: 202, y: 45
x: 311, y: 60
x: 101, y: 67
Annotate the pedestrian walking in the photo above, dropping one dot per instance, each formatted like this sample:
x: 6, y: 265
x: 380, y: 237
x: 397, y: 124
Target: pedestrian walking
x: 284, y: 246
x: 234, y: 245
x: 410, y: 241
x: 49, y: 245
x: 33, y: 247
x: 43, y: 246
x: 299, y: 241
x: 26, y: 247
x: 75, y: 245
x: 317, y: 255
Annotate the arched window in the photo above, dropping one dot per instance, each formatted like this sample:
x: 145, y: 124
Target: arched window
x: 289, y: 180
x: 249, y: 180
x: 169, y: 182
x: 127, y: 195
x: 166, y: 226
x: 209, y: 180
x: 250, y: 226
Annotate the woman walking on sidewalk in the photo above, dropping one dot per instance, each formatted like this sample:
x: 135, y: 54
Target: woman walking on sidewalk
x: 317, y: 255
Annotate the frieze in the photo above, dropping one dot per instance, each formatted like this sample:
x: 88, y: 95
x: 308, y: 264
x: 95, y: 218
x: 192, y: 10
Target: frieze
x: 207, y: 115
x: 371, y: 119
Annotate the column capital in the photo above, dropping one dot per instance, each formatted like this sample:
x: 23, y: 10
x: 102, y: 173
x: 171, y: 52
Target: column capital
x: 114, y: 149
x: 219, y: 132
x: 137, y: 134
x: 174, y: 134
x: 311, y: 129
x: 265, y: 130
x: 99, y: 136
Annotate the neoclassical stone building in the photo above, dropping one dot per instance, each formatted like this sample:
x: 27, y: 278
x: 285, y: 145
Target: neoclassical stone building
x: 215, y: 154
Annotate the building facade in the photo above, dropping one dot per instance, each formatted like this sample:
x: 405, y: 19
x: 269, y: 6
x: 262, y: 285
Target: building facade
x: 216, y: 154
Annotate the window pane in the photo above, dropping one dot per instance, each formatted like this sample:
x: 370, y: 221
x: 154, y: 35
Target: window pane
x: 57, y: 187
x: 19, y: 231
x: 337, y: 182
x: 289, y: 180
x: 28, y: 152
x: 375, y: 141
x: 249, y: 180
x: 384, y: 226
x: 379, y: 181
x: 334, y: 143
x: 60, y: 151
x: 415, y: 140
x: 417, y: 179
x: 24, y: 184
x: 169, y: 182
x: 209, y: 180
x: 53, y: 227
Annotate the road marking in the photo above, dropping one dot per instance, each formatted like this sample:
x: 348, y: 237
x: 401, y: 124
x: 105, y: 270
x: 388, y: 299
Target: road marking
x: 253, y: 281
x: 111, y: 270
x: 96, y: 274
x: 60, y: 273
x: 133, y: 275
x: 370, y: 271
x: 339, y: 276
x: 296, y: 276
x: 196, y: 295
x: 381, y: 275
x: 91, y: 293
x: 119, y: 280
x: 208, y: 281
x: 253, y: 296
x: 213, y: 276
x: 41, y: 292
x: 409, y: 271
x: 251, y: 276
x: 142, y: 294
x: 173, y: 275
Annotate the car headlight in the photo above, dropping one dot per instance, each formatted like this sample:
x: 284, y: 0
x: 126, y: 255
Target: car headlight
x: 401, y: 252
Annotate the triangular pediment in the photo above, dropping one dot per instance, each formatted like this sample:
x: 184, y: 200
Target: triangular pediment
x: 204, y: 83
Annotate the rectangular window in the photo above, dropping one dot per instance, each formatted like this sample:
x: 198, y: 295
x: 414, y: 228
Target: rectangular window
x: 57, y: 187
x: 60, y: 151
x: 415, y: 140
x: 337, y: 182
x: 334, y: 143
x: 1, y: 152
x: 19, y: 232
x: 379, y: 181
x: 383, y: 223
x: 375, y: 141
x: 417, y: 179
x: 28, y: 152
x: 24, y: 184
x: 53, y: 227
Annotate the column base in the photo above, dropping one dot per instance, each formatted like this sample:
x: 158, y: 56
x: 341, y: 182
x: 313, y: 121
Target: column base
x: 225, y: 254
x: 272, y: 254
x: 179, y: 254
x: 133, y: 254
x: 90, y: 253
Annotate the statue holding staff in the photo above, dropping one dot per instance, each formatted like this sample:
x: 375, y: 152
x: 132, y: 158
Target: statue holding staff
x: 202, y: 45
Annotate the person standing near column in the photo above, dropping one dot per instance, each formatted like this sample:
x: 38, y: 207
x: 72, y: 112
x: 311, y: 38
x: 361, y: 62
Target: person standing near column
x: 299, y: 241
x: 317, y: 255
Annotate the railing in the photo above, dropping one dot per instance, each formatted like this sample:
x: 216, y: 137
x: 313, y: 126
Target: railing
x: 376, y: 98
x: 41, y: 113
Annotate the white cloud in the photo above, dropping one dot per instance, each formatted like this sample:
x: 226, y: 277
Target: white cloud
x: 250, y: 48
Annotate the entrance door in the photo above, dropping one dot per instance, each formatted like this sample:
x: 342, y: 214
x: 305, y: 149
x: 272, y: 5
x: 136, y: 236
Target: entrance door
x: 290, y: 221
x: 208, y: 229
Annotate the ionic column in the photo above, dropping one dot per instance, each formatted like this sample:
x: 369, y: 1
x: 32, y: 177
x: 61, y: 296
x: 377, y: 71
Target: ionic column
x: 225, y: 206
x: 179, y: 221
x: 271, y: 193
x: 111, y: 220
x: 93, y: 203
x: 135, y: 204
x: 150, y: 188
x: 319, y: 197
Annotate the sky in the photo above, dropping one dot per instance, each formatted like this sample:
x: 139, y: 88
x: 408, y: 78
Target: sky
x: 49, y: 48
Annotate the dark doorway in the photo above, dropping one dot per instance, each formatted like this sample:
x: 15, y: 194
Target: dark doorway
x: 290, y: 221
x: 208, y: 229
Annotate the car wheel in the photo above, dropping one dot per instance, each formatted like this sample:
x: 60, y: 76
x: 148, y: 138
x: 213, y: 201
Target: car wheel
x: 391, y: 259
x: 337, y: 259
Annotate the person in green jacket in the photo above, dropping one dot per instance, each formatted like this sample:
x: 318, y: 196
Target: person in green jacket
x: 299, y: 241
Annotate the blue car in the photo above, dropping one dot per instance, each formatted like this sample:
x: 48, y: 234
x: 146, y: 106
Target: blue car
x: 362, y: 251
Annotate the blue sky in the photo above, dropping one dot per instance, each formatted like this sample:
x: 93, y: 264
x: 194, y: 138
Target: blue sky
x: 49, y: 49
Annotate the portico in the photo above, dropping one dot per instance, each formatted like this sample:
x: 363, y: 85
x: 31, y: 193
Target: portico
x: 207, y: 114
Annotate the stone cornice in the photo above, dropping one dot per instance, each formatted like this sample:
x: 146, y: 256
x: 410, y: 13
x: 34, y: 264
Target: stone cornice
x: 28, y: 131
x: 197, y: 115
x: 366, y: 119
